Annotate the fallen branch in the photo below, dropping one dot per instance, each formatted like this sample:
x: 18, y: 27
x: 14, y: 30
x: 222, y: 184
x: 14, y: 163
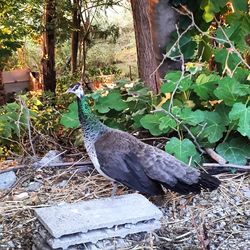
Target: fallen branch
x: 215, y: 168
x: 215, y: 156
x: 66, y: 164
x: 12, y: 169
x: 226, y: 165
x: 87, y: 164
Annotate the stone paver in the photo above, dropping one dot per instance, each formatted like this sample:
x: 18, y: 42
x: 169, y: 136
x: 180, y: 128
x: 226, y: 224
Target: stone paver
x: 89, y: 215
x: 94, y: 236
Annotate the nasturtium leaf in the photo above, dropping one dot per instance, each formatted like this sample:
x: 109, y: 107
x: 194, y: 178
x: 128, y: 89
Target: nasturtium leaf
x: 192, y: 117
x: 182, y: 150
x: 205, y: 84
x: 230, y: 90
x: 241, y: 113
x: 70, y: 119
x: 152, y: 123
x: 236, y: 151
x: 215, y: 126
x: 167, y: 122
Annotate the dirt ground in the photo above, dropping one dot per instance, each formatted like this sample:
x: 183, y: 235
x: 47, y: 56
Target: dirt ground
x: 216, y: 220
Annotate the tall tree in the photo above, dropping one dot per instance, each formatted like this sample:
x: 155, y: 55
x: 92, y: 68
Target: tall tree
x: 48, y: 58
x: 75, y: 35
x: 144, y: 44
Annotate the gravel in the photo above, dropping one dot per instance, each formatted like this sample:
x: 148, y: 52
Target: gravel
x: 217, y: 220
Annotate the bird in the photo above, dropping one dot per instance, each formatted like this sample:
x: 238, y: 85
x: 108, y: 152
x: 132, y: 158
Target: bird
x: 122, y: 158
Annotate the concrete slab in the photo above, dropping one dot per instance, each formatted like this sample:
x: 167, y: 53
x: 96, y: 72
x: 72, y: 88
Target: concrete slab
x: 89, y: 215
x: 95, y: 236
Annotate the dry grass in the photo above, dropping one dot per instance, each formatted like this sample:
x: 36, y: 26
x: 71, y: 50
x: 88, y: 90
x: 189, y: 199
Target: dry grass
x: 219, y: 220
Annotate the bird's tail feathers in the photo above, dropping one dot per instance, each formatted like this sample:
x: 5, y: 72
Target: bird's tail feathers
x: 206, y: 181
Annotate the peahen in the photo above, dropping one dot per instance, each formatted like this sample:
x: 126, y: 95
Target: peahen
x: 122, y: 158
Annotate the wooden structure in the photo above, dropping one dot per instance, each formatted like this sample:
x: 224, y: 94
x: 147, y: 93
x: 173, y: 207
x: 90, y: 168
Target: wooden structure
x: 18, y: 80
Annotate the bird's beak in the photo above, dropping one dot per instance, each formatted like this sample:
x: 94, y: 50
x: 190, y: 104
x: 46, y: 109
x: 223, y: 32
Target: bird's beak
x: 68, y: 91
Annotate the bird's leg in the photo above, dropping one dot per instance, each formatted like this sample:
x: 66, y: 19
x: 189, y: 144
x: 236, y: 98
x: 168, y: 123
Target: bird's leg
x: 114, y: 189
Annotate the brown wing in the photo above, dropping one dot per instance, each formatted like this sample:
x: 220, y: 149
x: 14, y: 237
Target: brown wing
x: 143, y: 167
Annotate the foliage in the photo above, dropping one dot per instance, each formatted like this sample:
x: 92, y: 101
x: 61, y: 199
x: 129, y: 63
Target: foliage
x: 183, y: 150
x: 121, y: 107
x: 104, y: 70
x: 16, y: 22
x: 39, y: 112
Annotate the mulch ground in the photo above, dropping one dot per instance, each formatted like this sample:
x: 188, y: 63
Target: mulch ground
x: 216, y: 220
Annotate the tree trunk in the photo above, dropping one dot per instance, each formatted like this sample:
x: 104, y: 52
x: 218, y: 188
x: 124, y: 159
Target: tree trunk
x: 48, y: 59
x: 163, y: 20
x: 144, y: 44
x: 75, y: 35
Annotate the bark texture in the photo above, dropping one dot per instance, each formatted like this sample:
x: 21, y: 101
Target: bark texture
x: 48, y: 59
x: 144, y: 44
x: 163, y: 20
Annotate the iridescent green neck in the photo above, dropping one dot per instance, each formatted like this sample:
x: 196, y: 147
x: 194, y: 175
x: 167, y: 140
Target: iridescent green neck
x: 90, y: 124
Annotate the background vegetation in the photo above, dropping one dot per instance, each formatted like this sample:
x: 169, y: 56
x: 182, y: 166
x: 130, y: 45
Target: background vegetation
x: 204, y: 105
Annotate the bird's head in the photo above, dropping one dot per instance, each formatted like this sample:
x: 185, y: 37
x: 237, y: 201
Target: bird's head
x: 76, y: 89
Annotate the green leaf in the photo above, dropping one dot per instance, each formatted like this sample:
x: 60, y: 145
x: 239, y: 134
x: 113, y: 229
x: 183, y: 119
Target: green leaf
x: 182, y: 150
x: 192, y: 117
x: 70, y: 119
x: 236, y: 151
x: 240, y: 5
x: 241, y: 75
x: 172, y: 79
x: 238, y: 29
x: 205, y: 84
x: 186, y: 44
x: 136, y: 116
x: 223, y: 111
x: 230, y: 90
x: 112, y: 101
x: 102, y: 107
x: 173, y: 76
x: 211, y: 7
x: 167, y: 87
x: 215, y: 127
x: 167, y: 122
x: 241, y: 113
x: 152, y: 123
x: 224, y: 56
